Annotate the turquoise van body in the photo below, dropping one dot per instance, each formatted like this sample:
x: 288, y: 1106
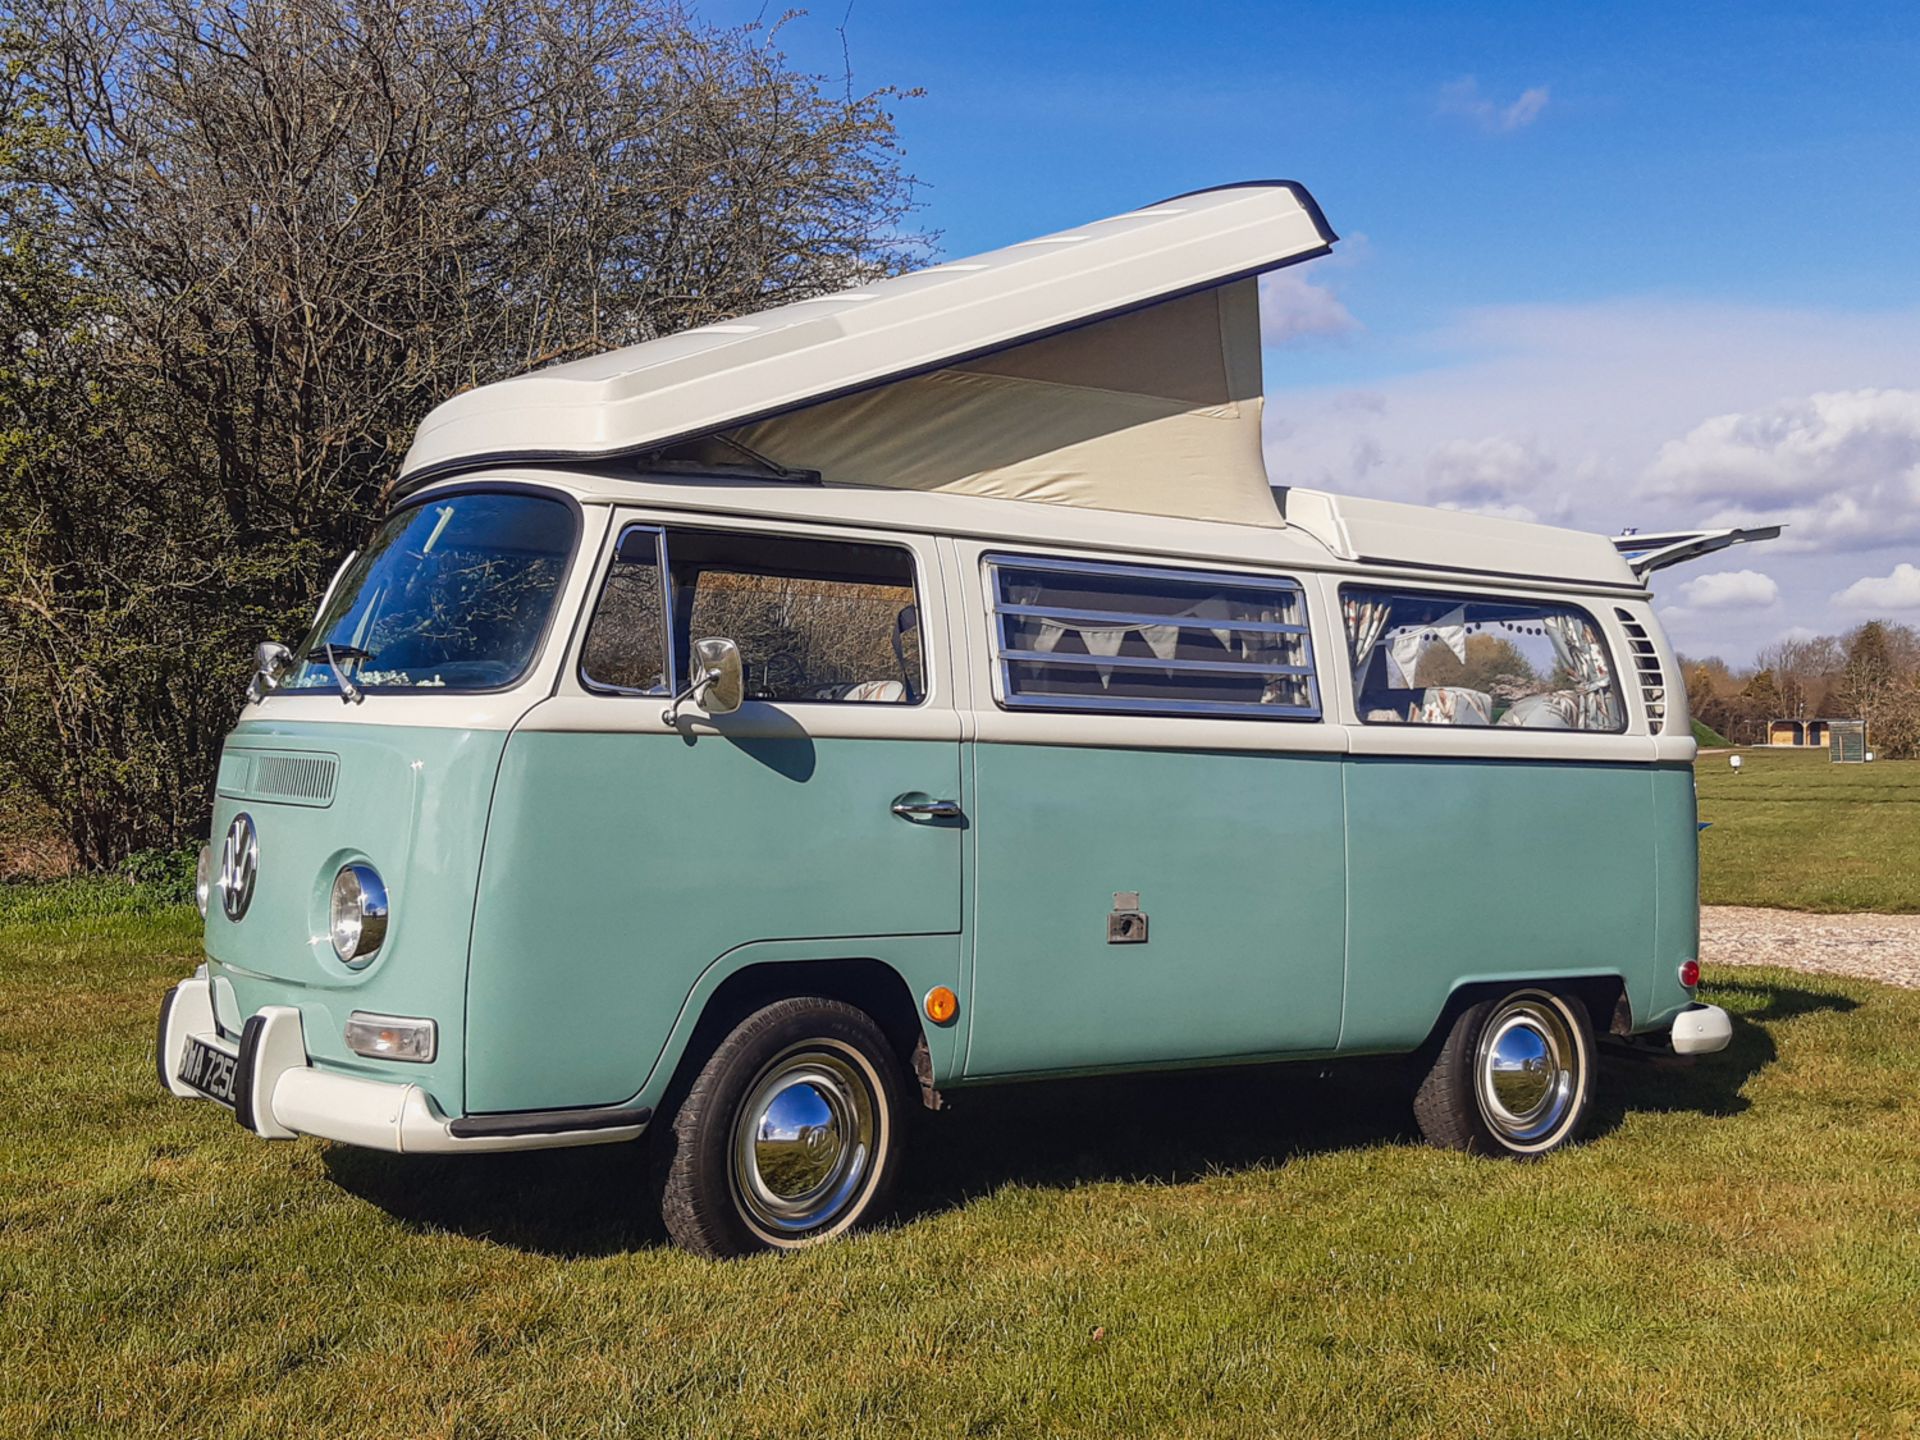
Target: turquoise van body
x: 728, y: 739
x: 567, y: 901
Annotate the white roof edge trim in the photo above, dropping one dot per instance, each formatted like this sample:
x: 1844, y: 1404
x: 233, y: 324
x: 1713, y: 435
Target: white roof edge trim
x: 1455, y: 548
x: 1648, y: 553
x: 692, y: 383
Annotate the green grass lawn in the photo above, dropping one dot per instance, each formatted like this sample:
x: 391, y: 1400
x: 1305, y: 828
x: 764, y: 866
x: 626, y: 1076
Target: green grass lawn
x: 1734, y: 1252
x: 1794, y: 831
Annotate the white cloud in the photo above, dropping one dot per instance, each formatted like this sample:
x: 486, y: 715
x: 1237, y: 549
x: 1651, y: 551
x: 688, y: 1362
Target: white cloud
x: 1488, y: 475
x: 1291, y: 307
x: 1841, y: 468
x: 1598, y: 393
x: 1730, y: 590
x: 1898, y: 591
x: 1462, y: 99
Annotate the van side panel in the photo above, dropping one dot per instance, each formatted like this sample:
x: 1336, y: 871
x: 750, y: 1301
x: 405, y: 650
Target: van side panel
x: 1470, y: 869
x: 1237, y: 858
x: 1677, y: 931
x: 621, y: 866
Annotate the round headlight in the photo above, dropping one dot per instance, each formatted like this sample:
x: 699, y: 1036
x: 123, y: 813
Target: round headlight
x: 358, y: 922
x: 203, y: 879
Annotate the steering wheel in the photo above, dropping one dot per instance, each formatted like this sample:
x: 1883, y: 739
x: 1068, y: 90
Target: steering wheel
x: 782, y: 676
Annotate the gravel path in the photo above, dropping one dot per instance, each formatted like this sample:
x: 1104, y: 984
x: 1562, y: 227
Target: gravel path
x: 1871, y: 947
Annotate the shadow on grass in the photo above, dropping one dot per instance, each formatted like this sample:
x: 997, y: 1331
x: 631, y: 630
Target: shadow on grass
x: 1705, y: 1084
x: 1150, y: 1129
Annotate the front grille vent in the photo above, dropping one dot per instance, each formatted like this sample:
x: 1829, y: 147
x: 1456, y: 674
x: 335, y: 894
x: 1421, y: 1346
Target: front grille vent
x: 295, y: 779
x: 1646, y: 667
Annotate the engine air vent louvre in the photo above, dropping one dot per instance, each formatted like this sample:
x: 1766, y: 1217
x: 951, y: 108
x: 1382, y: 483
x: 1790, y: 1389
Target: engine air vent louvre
x: 270, y: 775
x: 1646, y: 666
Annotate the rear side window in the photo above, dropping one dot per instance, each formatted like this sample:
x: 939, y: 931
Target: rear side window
x: 1427, y: 658
x: 823, y: 621
x: 1072, y: 635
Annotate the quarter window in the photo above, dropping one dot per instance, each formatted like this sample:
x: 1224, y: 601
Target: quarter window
x: 1425, y: 658
x: 1078, y: 636
x: 626, y: 645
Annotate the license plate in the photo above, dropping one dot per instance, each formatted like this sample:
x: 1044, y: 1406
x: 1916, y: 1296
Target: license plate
x: 210, y: 1071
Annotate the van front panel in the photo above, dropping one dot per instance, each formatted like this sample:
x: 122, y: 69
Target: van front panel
x: 409, y: 800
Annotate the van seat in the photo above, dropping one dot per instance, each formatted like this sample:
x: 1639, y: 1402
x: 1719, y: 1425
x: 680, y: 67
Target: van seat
x: 1453, y: 705
x: 1553, y: 710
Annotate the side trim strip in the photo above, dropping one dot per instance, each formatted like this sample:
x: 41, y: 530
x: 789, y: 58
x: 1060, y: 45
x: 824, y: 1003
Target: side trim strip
x: 1564, y: 586
x: 546, y: 1122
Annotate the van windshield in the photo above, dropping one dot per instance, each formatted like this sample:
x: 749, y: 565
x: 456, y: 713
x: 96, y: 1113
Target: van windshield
x: 451, y: 594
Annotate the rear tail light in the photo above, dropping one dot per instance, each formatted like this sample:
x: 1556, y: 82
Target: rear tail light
x: 1689, y: 973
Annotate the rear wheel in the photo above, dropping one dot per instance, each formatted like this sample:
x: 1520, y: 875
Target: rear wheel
x: 789, y: 1135
x: 1514, y: 1077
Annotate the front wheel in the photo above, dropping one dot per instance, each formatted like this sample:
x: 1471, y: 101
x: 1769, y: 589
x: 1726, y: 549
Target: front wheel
x: 789, y: 1135
x: 1514, y: 1077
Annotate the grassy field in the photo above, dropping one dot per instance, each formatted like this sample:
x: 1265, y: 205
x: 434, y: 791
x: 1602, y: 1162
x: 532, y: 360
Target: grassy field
x: 1794, y: 831
x: 1733, y: 1253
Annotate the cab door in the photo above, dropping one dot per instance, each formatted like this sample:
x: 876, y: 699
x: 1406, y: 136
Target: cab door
x: 1160, y: 866
x: 626, y: 854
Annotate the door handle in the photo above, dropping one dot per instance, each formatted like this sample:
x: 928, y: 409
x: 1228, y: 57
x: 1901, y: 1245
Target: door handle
x: 926, y: 809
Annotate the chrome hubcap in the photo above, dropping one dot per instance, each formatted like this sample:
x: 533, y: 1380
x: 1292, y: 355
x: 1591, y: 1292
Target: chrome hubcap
x: 803, y: 1146
x: 1528, y: 1071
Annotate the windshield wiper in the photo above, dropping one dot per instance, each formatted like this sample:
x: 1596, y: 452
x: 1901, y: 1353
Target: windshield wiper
x: 346, y: 652
x: 349, y: 692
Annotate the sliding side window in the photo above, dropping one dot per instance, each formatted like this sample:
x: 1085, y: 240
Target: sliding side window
x: 1422, y: 657
x: 1073, y: 635
x: 829, y: 621
x: 816, y: 620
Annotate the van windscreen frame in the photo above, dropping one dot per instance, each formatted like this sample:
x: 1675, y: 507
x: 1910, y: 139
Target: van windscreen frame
x: 341, y: 599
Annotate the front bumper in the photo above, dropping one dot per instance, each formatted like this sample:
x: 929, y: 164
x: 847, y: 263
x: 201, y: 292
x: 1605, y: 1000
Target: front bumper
x: 279, y: 1094
x: 1701, y: 1030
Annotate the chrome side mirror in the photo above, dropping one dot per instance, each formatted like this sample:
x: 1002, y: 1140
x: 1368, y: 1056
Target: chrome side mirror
x: 271, y: 660
x: 718, y: 685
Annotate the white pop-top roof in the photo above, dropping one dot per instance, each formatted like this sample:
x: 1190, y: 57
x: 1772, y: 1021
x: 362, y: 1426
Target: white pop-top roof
x: 726, y: 377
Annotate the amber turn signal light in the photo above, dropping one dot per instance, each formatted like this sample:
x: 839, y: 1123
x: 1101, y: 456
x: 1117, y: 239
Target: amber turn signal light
x: 942, y: 1004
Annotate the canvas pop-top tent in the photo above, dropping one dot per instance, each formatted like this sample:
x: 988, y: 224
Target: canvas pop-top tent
x: 1114, y: 366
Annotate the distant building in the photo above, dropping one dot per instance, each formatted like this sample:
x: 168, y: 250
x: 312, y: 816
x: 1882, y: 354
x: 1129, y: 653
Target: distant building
x: 1849, y: 742
x: 1812, y: 733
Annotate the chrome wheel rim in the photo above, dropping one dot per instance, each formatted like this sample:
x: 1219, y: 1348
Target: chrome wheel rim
x: 1528, y: 1071
x: 803, y: 1148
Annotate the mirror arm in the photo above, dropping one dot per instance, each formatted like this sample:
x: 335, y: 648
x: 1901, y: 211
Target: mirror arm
x: 693, y: 692
x: 270, y: 662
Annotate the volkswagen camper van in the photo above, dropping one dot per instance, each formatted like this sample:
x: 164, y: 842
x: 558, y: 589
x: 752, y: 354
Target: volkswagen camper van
x: 733, y: 741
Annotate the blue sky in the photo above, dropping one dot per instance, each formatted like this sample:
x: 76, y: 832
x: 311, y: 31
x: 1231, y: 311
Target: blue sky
x: 1603, y: 266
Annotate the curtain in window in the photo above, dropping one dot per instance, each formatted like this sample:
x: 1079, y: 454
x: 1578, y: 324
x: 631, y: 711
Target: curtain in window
x: 1164, y: 640
x: 1366, y: 620
x: 1407, y: 644
x: 1582, y: 655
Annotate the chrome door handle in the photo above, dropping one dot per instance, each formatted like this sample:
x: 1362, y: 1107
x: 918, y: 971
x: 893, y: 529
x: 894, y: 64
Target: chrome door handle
x: 926, y: 809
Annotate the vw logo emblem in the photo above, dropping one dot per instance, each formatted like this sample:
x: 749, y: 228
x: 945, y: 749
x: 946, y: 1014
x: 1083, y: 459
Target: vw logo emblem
x: 239, y: 863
